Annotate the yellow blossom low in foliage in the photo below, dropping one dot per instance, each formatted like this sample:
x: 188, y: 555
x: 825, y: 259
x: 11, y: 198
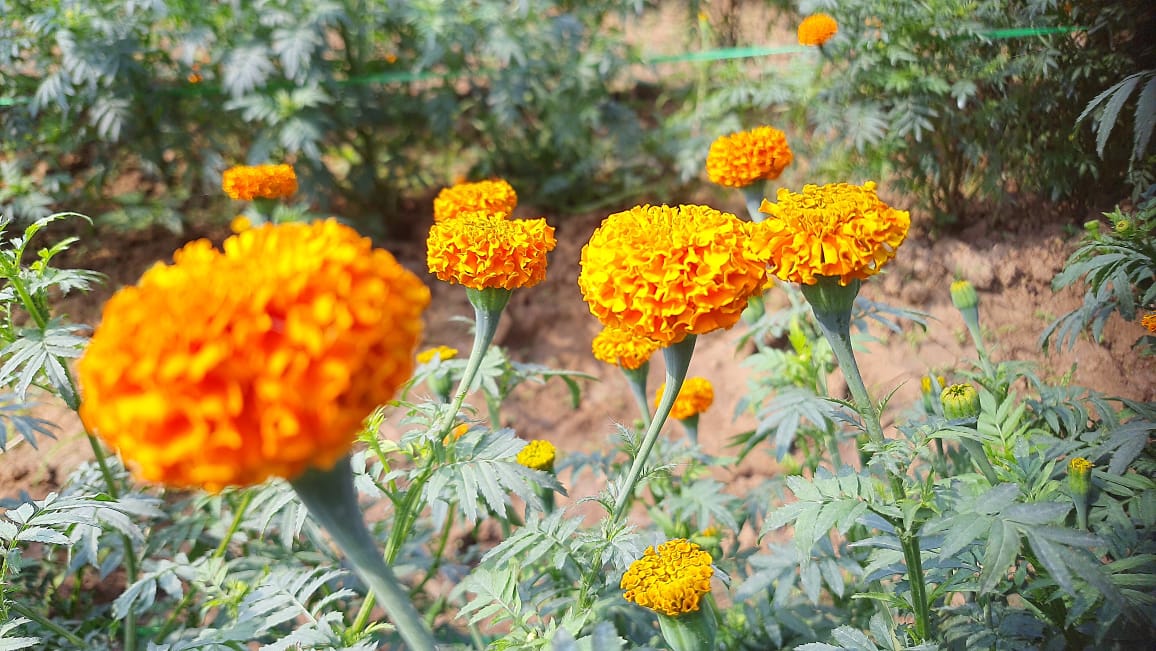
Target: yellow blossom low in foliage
x: 259, y: 360
x: 925, y: 383
x: 496, y: 197
x: 664, y: 272
x: 837, y: 230
x: 695, y: 397
x: 441, y: 352
x: 248, y: 182
x: 740, y: 159
x: 670, y: 579
x: 817, y: 29
x: 538, y: 455
x: 623, y: 348
x: 240, y: 224
x: 1149, y: 321
x: 482, y: 251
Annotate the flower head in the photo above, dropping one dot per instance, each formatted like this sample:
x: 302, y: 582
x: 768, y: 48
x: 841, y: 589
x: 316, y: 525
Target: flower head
x: 959, y: 401
x: 925, y: 384
x: 740, y: 159
x: 963, y: 295
x: 664, y: 273
x: 240, y: 223
x: 248, y: 182
x: 817, y: 29
x: 671, y: 579
x: 495, y: 197
x: 838, y: 230
x: 262, y: 359
x: 623, y: 348
x: 440, y: 352
x: 1149, y: 321
x: 695, y: 397
x: 480, y: 250
x: 538, y: 455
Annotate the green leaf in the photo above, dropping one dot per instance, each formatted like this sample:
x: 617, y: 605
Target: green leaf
x: 1003, y: 546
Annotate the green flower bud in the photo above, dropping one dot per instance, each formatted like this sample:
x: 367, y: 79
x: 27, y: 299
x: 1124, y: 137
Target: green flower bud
x: 1080, y: 485
x: 1092, y: 228
x: 1123, y: 227
x: 960, y: 401
x: 963, y: 295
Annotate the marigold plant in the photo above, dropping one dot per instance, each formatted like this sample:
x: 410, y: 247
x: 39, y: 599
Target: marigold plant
x: 670, y: 579
x: 838, y: 230
x: 695, y: 397
x: 481, y: 250
x: 623, y: 348
x: 538, y: 455
x: 248, y: 182
x: 666, y: 272
x: 817, y: 29
x: 496, y: 197
x: 258, y: 360
x: 740, y: 159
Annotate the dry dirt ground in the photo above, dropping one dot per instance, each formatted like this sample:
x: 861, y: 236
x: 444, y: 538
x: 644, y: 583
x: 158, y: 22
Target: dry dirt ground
x: 549, y: 324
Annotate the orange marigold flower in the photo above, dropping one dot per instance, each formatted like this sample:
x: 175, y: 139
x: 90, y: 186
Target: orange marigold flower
x: 671, y: 579
x: 1149, y: 321
x: 664, y: 273
x: 481, y: 250
x: 695, y: 397
x: 839, y: 230
x: 248, y: 182
x: 740, y: 159
x: 259, y: 360
x: 496, y: 197
x: 817, y: 29
x: 623, y: 348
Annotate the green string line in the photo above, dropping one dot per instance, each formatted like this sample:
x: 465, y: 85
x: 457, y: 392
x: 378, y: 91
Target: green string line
x: 721, y: 54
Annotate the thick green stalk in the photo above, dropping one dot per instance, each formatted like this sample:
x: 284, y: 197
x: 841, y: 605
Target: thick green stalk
x: 636, y: 378
x: 47, y: 623
x: 488, y: 305
x: 911, y: 556
x: 677, y: 357
x: 753, y: 195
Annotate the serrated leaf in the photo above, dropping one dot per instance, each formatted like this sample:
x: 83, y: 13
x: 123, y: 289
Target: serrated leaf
x: 42, y: 535
x: 1003, y: 545
x: 1145, y: 119
x: 962, y: 534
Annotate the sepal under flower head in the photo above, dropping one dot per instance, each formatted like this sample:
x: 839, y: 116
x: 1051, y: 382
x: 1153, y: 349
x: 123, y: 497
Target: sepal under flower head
x: 665, y: 273
x: 743, y: 158
x: 495, y: 197
x: 249, y: 182
x: 258, y: 360
x: 837, y: 230
x: 538, y: 455
x: 623, y: 348
x: 695, y: 397
x: 482, y: 251
x: 671, y: 579
x: 817, y: 29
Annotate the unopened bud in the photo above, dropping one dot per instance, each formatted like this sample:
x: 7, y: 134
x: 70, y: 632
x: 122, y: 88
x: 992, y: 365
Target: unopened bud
x: 963, y: 295
x: 960, y: 401
x: 1080, y: 476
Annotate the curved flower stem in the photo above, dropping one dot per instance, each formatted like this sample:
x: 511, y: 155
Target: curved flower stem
x: 332, y: 501
x: 636, y: 378
x: 677, y: 357
x: 47, y: 623
x: 488, y: 305
x: 753, y: 195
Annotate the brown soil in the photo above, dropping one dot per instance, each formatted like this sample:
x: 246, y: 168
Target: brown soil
x: 549, y: 324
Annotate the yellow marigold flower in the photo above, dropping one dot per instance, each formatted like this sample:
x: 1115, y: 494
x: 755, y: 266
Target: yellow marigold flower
x: 443, y: 352
x: 456, y: 433
x: 670, y: 580
x: 538, y: 455
x: 496, y: 197
x: 839, y: 230
x: 695, y: 397
x: 664, y: 273
x: 248, y: 182
x: 259, y: 360
x: 240, y: 224
x: 817, y: 29
x: 1149, y: 321
x: 925, y: 383
x: 623, y: 348
x: 739, y: 159
x: 481, y: 250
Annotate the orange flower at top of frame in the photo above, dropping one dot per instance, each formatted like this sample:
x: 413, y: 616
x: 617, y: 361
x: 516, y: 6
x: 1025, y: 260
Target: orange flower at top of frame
x: 817, y: 29
x: 495, y: 197
x: 740, y: 159
x: 483, y: 250
x: 259, y: 360
x: 248, y: 182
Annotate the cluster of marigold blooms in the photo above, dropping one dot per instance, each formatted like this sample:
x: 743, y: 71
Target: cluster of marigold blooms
x: 257, y: 183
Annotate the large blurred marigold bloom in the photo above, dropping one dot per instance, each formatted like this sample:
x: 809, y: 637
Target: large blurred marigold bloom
x: 229, y: 367
x: 623, y: 348
x: 671, y: 579
x: 839, y: 230
x: 817, y: 29
x: 740, y: 159
x: 248, y: 182
x: 695, y: 397
x: 664, y: 273
x: 481, y: 250
x: 495, y: 197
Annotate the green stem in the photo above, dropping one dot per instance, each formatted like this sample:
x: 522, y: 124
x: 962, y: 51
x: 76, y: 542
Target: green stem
x: 437, y: 560
x: 636, y: 378
x: 25, y: 611
x: 332, y: 501
x: 753, y: 195
x: 677, y: 357
x: 488, y: 305
x: 911, y: 556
